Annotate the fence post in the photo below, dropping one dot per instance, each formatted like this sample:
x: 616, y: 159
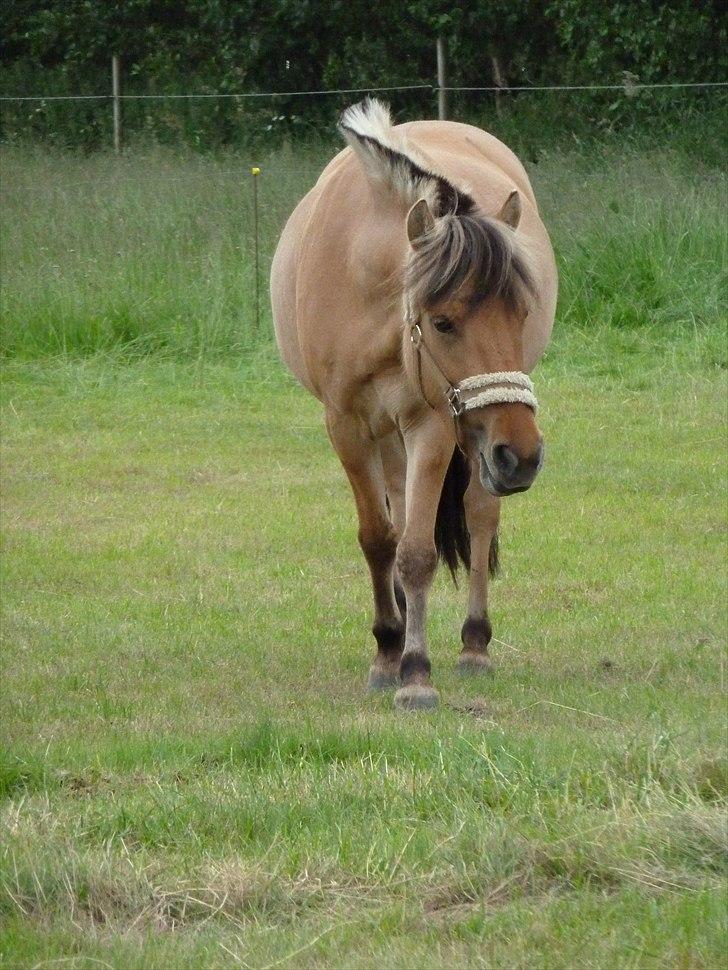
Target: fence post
x: 116, y: 98
x: 255, y: 172
x: 498, y: 81
x: 441, y: 80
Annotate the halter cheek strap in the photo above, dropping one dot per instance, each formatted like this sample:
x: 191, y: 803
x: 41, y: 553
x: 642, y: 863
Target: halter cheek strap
x: 500, y: 387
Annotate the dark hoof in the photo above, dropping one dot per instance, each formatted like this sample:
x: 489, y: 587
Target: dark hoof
x: 475, y: 663
x: 416, y: 697
x: 381, y: 679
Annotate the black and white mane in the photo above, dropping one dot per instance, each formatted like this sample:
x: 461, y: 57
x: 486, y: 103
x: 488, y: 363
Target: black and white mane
x: 467, y: 252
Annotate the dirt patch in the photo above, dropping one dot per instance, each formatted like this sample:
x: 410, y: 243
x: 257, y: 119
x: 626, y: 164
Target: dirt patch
x: 477, y: 708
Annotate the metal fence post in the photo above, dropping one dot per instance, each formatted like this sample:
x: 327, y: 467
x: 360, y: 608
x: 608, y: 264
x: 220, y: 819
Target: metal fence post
x: 116, y: 98
x: 255, y: 172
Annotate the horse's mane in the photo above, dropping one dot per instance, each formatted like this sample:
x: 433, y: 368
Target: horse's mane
x: 465, y: 248
x: 470, y: 254
x: 389, y: 159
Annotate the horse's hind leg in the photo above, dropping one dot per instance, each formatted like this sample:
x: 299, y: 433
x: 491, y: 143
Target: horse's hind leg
x: 362, y: 462
x: 394, y: 461
x: 482, y: 511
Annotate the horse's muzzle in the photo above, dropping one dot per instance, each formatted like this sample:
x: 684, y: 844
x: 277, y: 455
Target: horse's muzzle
x: 503, y: 471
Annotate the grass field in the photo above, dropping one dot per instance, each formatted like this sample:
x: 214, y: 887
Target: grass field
x: 193, y: 775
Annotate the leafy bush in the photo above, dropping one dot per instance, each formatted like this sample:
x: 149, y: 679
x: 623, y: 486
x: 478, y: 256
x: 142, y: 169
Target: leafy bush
x: 222, y: 46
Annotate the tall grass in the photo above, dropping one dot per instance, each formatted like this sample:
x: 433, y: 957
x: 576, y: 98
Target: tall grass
x: 154, y: 252
x: 147, y: 253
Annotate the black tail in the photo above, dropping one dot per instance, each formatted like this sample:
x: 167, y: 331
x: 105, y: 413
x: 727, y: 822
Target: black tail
x: 452, y: 538
x: 493, y: 561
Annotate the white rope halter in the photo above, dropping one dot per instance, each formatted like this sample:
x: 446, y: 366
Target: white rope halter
x: 501, y: 387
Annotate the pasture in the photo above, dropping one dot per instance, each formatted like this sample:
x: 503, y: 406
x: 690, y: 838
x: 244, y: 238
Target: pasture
x: 193, y: 775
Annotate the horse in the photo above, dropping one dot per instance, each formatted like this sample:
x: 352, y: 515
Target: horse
x: 413, y: 290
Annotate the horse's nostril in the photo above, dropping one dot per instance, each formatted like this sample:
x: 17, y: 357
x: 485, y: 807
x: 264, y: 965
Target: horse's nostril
x: 505, y: 460
x: 539, y: 456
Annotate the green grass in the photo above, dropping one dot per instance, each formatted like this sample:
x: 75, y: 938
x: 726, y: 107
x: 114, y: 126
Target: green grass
x: 155, y: 253
x: 148, y: 254
x: 193, y: 775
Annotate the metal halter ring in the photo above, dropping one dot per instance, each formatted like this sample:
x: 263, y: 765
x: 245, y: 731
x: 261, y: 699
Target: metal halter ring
x: 453, y: 399
x: 416, y: 335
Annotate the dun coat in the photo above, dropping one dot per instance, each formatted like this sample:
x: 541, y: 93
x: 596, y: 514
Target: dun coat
x: 414, y: 273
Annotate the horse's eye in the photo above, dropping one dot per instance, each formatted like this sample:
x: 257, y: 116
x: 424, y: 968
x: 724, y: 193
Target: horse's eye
x: 443, y: 325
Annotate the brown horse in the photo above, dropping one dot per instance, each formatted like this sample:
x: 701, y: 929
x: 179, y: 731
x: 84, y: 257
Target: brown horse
x: 411, y: 289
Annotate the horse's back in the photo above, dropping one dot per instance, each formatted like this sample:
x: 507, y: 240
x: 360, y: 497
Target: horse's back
x: 474, y: 145
x: 326, y: 278
x: 306, y: 239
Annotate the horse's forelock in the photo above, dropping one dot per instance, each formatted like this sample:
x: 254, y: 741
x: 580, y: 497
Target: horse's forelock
x: 471, y: 252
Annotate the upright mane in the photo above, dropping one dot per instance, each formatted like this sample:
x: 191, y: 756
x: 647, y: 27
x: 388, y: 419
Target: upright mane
x: 389, y: 159
x: 466, y: 250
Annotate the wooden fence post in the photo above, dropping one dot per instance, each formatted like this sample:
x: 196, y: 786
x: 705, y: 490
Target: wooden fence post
x: 116, y: 96
x: 499, y: 83
x: 441, y: 80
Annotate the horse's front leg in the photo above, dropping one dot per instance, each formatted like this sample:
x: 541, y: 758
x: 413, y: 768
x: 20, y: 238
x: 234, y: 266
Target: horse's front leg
x: 362, y: 463
x: 482, y: 512
x: 429, y: 450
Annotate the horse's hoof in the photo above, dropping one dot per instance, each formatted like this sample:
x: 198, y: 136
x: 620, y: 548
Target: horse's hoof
x: 475, y: 663
x: 382, y: 679
x: 416, y: 697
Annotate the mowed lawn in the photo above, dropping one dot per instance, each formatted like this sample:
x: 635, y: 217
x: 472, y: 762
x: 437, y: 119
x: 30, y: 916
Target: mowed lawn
x: 194, y: 775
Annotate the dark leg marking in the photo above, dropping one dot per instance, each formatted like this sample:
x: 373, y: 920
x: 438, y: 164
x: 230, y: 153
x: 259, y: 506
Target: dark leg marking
x: 390, y: 640
x: 415, y: 668
x: 416, y: 692
x: 384, y: 672
x: 476, y: 635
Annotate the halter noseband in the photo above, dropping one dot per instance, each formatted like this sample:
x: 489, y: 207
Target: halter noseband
x: 500, y: 387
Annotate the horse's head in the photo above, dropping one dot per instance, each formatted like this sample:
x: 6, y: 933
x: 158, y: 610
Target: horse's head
x: 467, y: 293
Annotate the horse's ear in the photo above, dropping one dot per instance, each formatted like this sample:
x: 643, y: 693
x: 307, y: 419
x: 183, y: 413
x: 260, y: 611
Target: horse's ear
x: 419, y: 221
x: 511, y: 211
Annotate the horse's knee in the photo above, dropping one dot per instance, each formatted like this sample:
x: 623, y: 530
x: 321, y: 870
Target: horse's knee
x: 416, y: 564
x: 379, y: 545
x: 482, y: 520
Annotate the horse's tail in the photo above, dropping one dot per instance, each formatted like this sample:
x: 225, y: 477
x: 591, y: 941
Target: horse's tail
x: 452, y: 538
x: 493, y: 561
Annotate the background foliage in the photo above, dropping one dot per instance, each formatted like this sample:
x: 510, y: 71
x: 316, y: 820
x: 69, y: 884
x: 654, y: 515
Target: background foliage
x: 226, y: 46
